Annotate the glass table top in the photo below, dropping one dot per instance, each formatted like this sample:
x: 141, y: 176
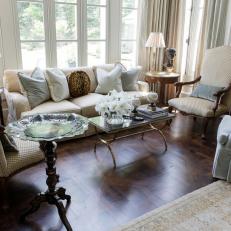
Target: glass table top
x: 48, y: 127
x: 100, y: 122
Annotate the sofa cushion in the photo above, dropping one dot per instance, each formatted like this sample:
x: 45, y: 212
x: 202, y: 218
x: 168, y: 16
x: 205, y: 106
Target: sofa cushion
x: 206, y: 92
x: 89, y: 72
x: 35, y: 87
x: 87, y: 104
x: 57, y: 82
x: 108, y: 81
x: 54, y: 107
x: 79, y: 83
x: 197, y: 106
x: 130, y: 78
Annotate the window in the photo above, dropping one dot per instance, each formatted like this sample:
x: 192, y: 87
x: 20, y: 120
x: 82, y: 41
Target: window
x: 66, y: 33
x: 128, y: 32
x: 70, y: 33
x: 32, y: 35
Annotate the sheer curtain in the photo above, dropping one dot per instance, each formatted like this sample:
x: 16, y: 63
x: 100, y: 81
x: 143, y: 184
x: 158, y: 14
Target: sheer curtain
x: 156, y: 16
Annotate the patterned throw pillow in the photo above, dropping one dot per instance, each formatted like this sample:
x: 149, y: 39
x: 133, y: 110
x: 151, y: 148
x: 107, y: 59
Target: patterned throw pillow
x: 79, y: 83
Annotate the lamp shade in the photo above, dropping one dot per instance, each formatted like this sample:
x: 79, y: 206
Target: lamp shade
x: 156, y: 40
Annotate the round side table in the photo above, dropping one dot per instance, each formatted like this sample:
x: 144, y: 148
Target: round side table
x: 164, y: 80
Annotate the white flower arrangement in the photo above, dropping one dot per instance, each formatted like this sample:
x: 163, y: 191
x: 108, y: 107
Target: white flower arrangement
x: 115, y: 103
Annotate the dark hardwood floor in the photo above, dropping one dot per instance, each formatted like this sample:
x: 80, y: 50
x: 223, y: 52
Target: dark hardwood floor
x: 103, y: 199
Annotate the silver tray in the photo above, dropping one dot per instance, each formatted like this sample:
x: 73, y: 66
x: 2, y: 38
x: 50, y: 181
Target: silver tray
x: 48, y: 127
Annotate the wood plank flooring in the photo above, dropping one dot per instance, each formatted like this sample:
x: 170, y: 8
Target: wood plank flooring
x: 103, y: 199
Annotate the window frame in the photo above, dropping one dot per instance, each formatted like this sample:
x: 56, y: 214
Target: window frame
x: 112, y: 41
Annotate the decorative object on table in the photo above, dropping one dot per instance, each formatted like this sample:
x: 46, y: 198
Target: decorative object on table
x: 79, y: 83
x: 113, y: 106
x: 34, y: 87
x: 57, y: 126
x: 205, y: 209
x: 222, y: 160
x: 215, y: 71
x: 170, y: 54
x: 109, y: 80
x: 152, y: 98
x: 155, y: 41
x: 145, y: 110
x: 162, y: 83
x: 58, y: 85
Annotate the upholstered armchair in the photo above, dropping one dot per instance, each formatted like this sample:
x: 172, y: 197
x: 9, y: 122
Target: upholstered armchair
x: 12, y: 162
x: 222, y: 160
x: 216, y: 72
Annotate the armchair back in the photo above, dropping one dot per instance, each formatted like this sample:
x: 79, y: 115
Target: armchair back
x: 216, y: 70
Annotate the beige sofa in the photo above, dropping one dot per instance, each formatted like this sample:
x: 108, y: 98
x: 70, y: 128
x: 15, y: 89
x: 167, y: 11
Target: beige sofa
x: 18, y: 105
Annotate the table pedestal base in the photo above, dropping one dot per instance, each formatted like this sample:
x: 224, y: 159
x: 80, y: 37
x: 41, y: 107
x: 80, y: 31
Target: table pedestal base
x: 53, y: 195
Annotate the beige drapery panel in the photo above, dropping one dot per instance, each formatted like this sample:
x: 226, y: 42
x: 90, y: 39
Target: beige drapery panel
x: 156, y: 16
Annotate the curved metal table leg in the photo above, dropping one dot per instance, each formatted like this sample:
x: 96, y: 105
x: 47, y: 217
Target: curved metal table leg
x: 162, y: 135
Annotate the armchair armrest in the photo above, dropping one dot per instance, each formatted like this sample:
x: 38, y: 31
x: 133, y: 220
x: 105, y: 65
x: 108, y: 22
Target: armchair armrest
x: 179, y: 85
x: 143, y: 86
x: 219, y: 95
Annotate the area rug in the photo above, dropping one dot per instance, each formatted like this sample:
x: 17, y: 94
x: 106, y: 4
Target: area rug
x: 205, y: 209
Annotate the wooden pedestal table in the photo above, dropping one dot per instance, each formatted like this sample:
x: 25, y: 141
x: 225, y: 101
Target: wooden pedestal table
x: 164, y: 79
x: 46, y: 129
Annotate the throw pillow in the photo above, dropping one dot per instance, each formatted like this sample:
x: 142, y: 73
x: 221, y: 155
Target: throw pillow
x: 129, y: 79
x: 206, y: 92
x: 34, y: 87
x: 79, y: 83
x: 58, y: 85
x: 108, y: 81
x: 8, y: 143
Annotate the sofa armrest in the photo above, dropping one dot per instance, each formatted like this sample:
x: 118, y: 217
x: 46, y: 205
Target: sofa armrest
x: 17, y: 103
x: 143, y: 86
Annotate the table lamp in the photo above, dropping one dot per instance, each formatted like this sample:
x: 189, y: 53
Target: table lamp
x: 155, y: 40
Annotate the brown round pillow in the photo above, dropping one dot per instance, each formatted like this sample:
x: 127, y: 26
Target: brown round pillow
x: 79, y: 83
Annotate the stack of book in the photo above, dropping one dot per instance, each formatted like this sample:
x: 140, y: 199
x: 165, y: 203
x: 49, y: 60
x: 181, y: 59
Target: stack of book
x: 145, y: 111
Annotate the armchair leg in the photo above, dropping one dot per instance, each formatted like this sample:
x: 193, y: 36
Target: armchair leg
x: 205, y: 126
x: 4, y: 197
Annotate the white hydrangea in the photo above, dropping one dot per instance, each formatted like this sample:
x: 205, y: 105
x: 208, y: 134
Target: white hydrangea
x: 119, y: 103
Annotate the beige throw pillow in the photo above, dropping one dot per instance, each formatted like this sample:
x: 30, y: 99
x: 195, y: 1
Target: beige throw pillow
x: 58, y: 85
x: 108, y: 81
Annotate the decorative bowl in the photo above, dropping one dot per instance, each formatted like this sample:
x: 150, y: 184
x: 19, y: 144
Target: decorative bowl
x: 48, y: 127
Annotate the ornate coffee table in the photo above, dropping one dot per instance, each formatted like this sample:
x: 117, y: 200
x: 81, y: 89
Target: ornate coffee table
x: 100, y: 124
x: 46, y: 129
